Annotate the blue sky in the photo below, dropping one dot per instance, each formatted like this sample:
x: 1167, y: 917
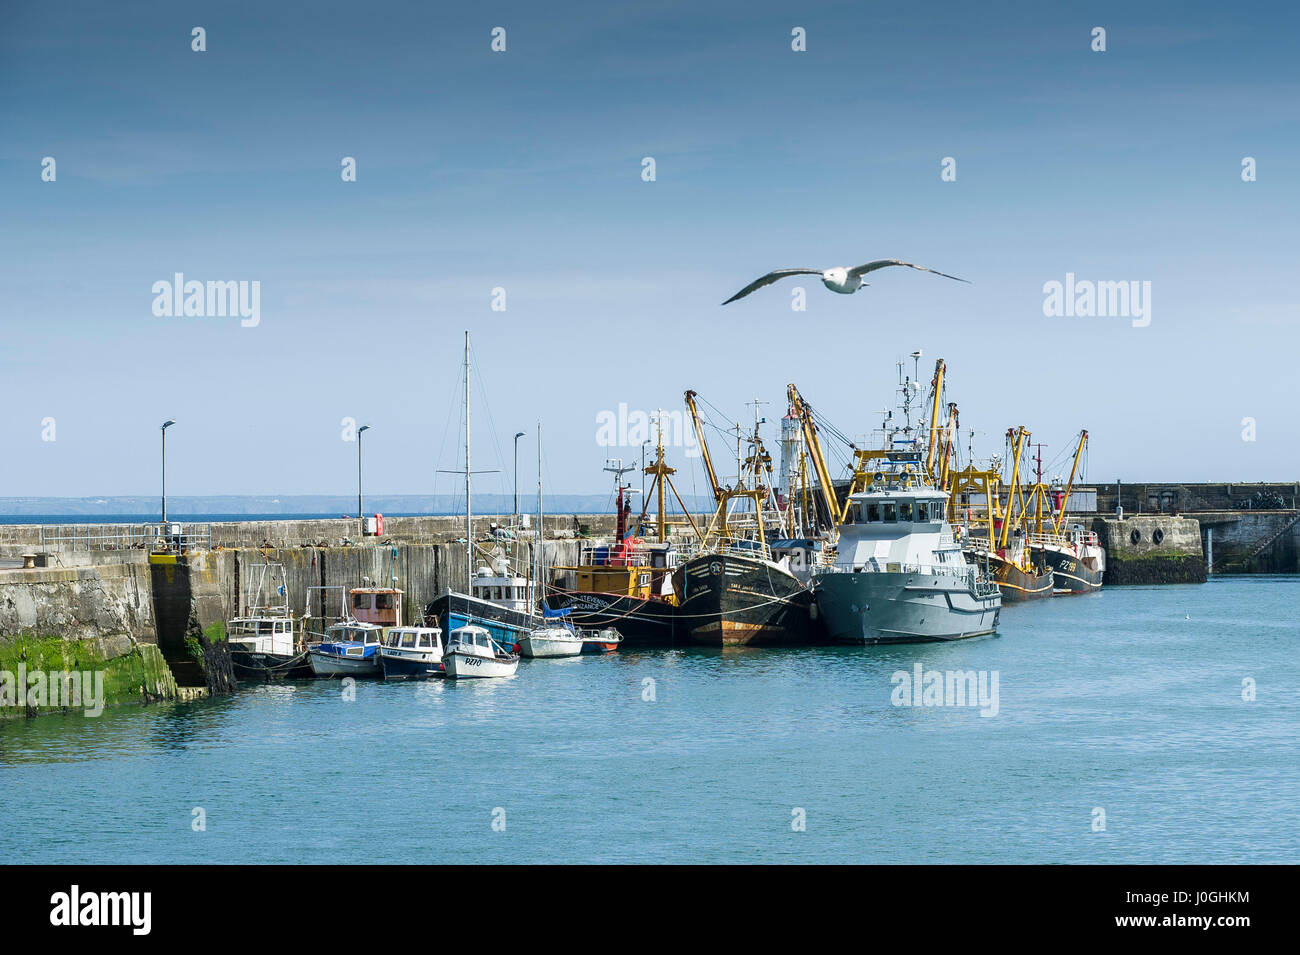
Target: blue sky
x: 523, y: 170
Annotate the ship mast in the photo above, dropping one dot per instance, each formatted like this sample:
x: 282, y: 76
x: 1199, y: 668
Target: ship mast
x: 469, y: 506
x: 539, y: 590
x: 1074, y: 470
x: 661, y: 483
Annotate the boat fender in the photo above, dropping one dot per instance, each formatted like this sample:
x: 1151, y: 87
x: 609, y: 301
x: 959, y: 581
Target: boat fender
x: 1135, y: 536
x: 1157, y: 536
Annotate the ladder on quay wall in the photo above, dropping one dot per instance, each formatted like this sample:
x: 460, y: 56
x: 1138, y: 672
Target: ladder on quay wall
x: 1272, y: 538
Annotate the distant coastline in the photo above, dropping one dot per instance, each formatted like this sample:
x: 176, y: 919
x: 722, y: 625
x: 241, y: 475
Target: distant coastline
x: 139, y: 510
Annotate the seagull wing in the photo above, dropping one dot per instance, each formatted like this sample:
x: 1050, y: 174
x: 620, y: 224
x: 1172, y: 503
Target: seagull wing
x: 886, y: 263
x: 768, y: 279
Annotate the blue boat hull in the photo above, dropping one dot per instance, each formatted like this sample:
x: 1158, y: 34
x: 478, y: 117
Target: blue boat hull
x: 451, y: 611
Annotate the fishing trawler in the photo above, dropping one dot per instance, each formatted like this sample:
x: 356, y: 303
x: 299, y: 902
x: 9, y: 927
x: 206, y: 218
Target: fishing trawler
x: 627, y: 583
x: 499, y: 600
x: 1074, y: 555
x: 994, y: 531
x: 733, y: 591
x: 898, y: 575
x: 1076, y: 558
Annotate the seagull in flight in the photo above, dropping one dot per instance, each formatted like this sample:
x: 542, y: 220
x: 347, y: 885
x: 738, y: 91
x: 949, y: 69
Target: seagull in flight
x: 842, y: 280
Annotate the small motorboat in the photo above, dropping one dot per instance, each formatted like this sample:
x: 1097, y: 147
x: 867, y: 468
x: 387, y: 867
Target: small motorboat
x: 552, y: 641
x: 601, y: 641
x: 350, y: 648
x: 471, y: 652
x: 411, y: 653
x: 266, y: 640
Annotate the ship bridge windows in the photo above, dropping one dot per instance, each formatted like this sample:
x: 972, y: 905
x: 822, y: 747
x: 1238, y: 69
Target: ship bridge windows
x: 889, y: 510
x: 873, y: 512
x: 922, y: 512
x: 905, y: 512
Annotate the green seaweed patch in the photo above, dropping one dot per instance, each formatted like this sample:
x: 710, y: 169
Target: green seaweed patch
x: 140, y: 675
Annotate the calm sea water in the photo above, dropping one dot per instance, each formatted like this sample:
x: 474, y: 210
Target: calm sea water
x: 1129, y: 701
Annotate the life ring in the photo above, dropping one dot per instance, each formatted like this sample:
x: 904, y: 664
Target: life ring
x: 1134, y: 536
x: 1157, y: 536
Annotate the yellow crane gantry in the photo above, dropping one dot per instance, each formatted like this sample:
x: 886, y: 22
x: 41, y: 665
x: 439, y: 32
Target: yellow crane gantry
x: 718, y: 490
x: 1018, y: 436
x: 936, y: 386
x: 1074, y: 470
x: 803, y: 411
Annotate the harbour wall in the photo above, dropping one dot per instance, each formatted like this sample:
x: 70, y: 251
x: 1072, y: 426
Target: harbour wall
x: 1246, y: 528
x: 19, y: 539
x: 1177, y: 498
x: 146, y: 620
x: 1151, y: 549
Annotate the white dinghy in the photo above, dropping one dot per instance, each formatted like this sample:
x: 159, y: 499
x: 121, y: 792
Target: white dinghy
x: 471, y: 652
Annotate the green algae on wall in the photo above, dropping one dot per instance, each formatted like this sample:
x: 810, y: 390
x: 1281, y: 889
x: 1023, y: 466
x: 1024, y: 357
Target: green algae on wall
x: 135, y: 673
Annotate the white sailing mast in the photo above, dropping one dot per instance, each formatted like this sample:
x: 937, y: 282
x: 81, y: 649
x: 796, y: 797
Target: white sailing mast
x: 469, y: 507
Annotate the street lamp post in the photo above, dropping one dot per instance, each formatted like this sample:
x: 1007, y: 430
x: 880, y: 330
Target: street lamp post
x: 361, y: 514
x: 165, y: 425
x: 518, y: 435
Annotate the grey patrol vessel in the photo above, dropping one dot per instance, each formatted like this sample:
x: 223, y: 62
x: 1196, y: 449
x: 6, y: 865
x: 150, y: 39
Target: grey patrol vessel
x: 898, y: 575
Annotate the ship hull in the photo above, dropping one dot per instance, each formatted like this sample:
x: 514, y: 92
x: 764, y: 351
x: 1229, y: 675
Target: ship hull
x: 1070, y: 574
x: 891, y: 607
x: 1019, y: 585
x: 642, y: 621
x: 269, y: 667
x: 729, y: 600
x: 452, y: 611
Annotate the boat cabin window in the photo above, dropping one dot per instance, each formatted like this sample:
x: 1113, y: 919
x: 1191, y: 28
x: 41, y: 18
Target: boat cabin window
x: 408, y: 640
x: 905, y: 511
x: 425, y: 641
x: 888, y: 508
x: 873, y: 512
x: 383, y: 601
x: 854, y: 515
x: 361, y: 601
x: 922, y: 512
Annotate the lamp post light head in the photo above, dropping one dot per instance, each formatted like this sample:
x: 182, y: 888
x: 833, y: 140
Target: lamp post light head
x: 167, y: 424
x: 518, y: 435
x: 364, y: 427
